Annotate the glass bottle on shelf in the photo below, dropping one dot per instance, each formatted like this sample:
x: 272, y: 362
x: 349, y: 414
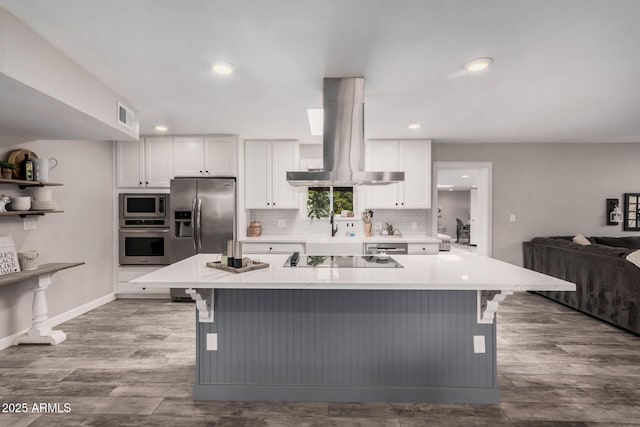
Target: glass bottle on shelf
x: 27, y: 168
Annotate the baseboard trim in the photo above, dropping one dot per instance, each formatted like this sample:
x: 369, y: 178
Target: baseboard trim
x: 62, y: 317
x: 125, y: 295
x: 294, y: 393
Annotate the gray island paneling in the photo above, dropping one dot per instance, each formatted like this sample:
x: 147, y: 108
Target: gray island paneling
x: 351, y: 345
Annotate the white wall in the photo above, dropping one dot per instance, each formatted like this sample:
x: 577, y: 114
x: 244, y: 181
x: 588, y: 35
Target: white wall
x: 84, y: 232
x: 28, y: 58
x: 454, y: 204
x: 554, y: 189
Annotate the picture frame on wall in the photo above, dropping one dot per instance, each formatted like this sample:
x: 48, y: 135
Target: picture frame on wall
x: 631, y: 212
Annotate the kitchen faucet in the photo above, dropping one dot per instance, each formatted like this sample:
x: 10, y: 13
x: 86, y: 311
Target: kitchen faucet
x: 334, y: 227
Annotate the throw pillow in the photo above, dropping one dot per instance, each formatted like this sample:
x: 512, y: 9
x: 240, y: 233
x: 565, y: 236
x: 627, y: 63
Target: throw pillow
x: 581, y: 240
x: 634, y: 258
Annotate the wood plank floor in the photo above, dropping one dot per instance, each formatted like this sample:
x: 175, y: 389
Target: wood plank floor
x: 131, y: 363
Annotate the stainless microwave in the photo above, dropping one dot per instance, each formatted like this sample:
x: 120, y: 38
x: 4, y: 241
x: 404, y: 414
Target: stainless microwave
x: 144, y: 210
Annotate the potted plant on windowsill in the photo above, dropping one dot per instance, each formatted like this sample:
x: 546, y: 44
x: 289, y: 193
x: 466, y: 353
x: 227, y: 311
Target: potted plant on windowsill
x: 318, y: 204
x: 7, y: 169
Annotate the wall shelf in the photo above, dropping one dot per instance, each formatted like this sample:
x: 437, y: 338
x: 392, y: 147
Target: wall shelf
x: 24, y: 184
x: 23, y: 214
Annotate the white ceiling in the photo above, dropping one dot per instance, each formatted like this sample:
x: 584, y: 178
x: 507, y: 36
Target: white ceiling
x: 455, y: 177
x: 564, y: 70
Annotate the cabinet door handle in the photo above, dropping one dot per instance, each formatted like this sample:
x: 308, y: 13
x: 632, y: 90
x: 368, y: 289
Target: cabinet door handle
x: 268, y: 203
x: 147, y: 182
x: 206, y: 171
x: 274, y: 203
x: 140, y: 183
x: 402, y: 203
x: 200, y: 171
x: 396, y: 203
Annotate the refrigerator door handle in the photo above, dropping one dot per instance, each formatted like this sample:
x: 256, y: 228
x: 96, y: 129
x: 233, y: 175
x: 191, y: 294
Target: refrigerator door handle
x: 199, y: 225
x: 193, y: 224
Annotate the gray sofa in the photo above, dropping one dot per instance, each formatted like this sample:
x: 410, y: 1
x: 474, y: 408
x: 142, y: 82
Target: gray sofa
x: 607, y: 285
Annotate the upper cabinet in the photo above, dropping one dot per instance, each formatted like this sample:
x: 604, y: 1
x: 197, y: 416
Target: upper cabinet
x: 266, y: 166
x: 413, y: 157
x: 154, y: 160
x: 144, y: 164
x: 204, y: 155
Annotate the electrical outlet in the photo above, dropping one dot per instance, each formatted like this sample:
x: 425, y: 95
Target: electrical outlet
x: 282, y: 223
x: 414, y: 225
x: 478, y: 344
x: 212, y: 342
x: 512, y: 217
x: 29, y: 223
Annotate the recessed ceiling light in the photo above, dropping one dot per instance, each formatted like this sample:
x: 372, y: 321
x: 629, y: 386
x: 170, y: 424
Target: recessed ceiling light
x: 444, y: 186
x: 465, y: 176
x: 161, y: 128
x: 414, y: 126
x: 223, y: 68
x: 451, y: 189
x: 478, y: 64
x: 474, y: 186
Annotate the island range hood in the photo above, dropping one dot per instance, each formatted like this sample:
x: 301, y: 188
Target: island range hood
x: 343, y: 140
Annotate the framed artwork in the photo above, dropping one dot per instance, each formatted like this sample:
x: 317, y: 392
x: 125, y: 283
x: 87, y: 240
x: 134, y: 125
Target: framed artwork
x: 8, y: 256
x: 631, y: 212
x: 611, y: 205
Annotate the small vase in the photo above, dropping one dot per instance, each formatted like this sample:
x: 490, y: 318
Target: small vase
x: 7, y: 173
x: 367, y: 229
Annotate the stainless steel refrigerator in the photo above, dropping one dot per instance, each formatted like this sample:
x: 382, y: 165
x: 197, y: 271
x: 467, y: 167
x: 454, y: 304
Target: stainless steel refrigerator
x: 203, y: 218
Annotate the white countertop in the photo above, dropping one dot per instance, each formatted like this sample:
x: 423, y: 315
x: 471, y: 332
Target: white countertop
x: 460, y: 271
x: 303, y: 238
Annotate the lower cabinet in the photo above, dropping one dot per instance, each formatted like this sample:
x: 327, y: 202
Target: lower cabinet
x: 272, y: 248
x: 423, y: 248
x: 126, y: 290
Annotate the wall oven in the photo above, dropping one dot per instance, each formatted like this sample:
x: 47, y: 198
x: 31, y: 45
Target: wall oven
x: 144, y: 229
x: 144, y: 246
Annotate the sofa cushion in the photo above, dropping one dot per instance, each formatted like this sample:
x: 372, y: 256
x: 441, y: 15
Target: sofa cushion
x: 558, y: 243
x: 632, y: 242
x: 581, y: 240
x: 616, y: 242
x: 605, y: 250
x: 634, y: 258
x: 619, y: 242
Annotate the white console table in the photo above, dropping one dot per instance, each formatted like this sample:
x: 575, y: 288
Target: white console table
x: 40, y: 332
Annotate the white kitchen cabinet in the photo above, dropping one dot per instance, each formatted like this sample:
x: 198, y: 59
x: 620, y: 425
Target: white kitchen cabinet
x: 266, y: 166
x: 158, y: 161
x: 429, y: 248
x: 124, y: 289
x: 272, y: 248
x: 220, y: 155
x: 144, y: 164
x: 204, y: 155
x: 413, y: 157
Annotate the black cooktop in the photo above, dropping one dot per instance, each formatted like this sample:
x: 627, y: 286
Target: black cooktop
x: 343, y: 261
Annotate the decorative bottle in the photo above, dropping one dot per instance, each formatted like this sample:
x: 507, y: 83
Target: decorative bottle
x: 27, y: 168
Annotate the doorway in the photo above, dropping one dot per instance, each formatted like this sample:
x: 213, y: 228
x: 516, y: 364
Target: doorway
x: 462, y: 201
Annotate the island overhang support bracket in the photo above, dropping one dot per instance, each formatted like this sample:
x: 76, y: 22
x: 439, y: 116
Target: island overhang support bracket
x: 204, y: 299
x: 488, y: 302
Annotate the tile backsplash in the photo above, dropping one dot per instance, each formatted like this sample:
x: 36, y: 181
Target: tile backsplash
x: 294, y: 223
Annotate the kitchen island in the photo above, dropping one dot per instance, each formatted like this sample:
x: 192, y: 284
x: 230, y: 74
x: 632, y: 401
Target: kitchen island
x: 424, y: 332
